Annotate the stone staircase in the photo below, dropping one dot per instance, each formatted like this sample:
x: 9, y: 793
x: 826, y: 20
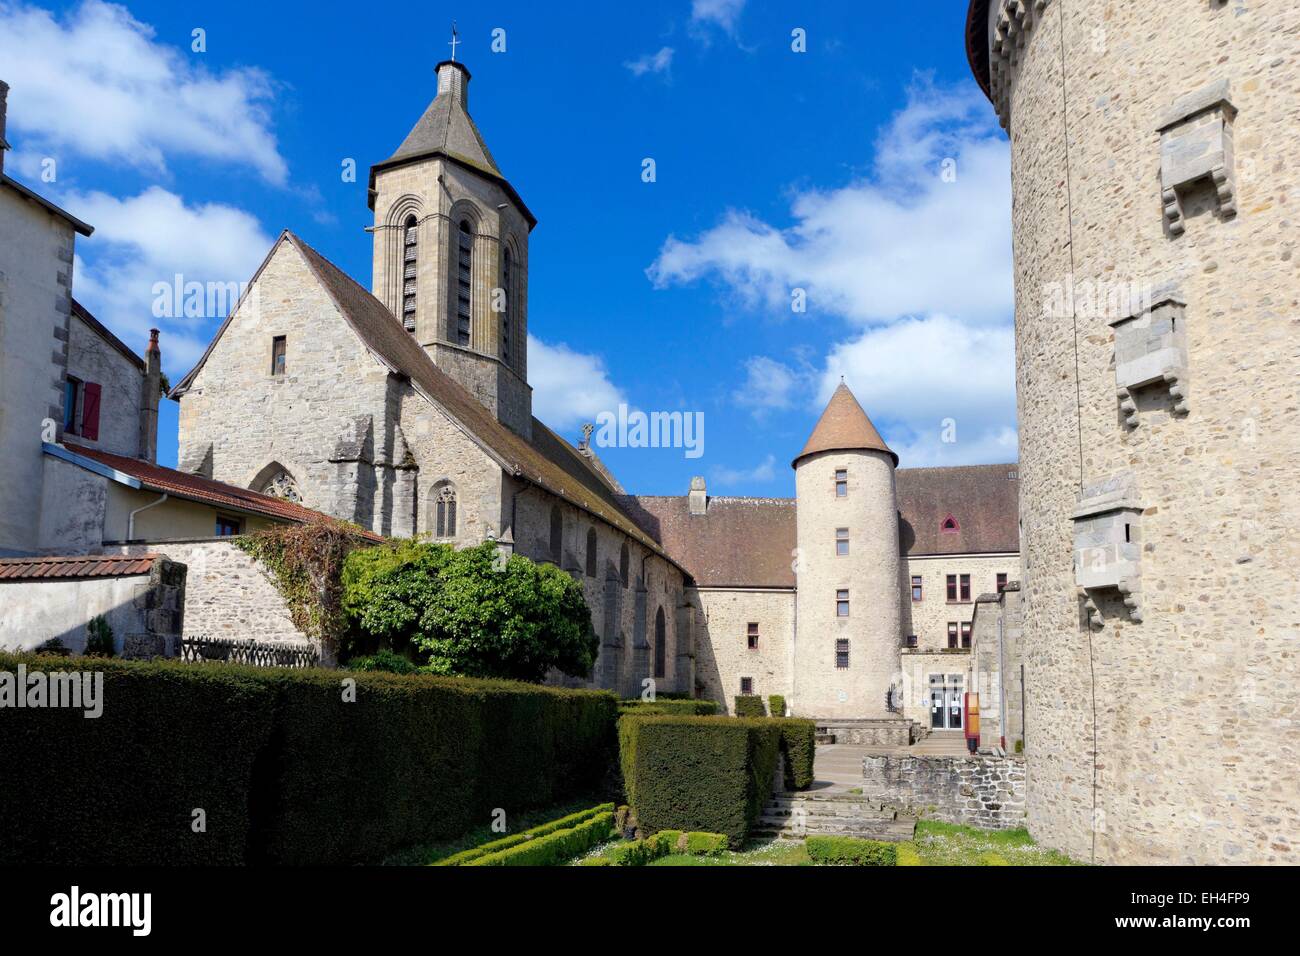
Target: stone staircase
x: 792, y: 816
x: 940, y: 743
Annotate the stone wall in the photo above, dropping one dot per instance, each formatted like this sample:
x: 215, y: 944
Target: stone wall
x: 1193, y: 709
x: 928, y: 618
x: 92, y: 359
x: 723, y: 655
x: 980, y: 791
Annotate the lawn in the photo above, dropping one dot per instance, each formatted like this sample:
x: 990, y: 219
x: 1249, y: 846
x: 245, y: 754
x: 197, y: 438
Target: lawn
x: 936, y: 844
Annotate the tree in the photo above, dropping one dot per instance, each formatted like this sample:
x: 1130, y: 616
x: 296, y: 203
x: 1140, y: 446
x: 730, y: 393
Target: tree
x: 468, y: 612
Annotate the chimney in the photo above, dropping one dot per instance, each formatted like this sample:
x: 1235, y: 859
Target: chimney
x: 453, y: 81
x: 4, y: 107
x: 699, y: 497
x: 152, y: 391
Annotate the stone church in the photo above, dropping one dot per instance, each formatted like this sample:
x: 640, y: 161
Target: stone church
x: 407, y: 410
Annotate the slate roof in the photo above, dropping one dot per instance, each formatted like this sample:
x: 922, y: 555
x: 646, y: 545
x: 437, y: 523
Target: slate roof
x: 548, y: 461
x: 740, y: 542
x: 79, y: 566
x: 197, y: 488
x: 844, y: 426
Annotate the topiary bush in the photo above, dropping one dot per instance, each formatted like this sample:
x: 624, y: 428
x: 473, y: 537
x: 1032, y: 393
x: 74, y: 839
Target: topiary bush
x: 703, y: 844
x: 850, y: 851
x: 799, y: 745
x: 382, y: 661
x: 776, y: 705
x: 288, y: 766
x: 698, y: 773
x: 749, y: 705
x: 696, y: 708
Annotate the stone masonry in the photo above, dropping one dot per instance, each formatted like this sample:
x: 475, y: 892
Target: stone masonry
x: 980, y: 791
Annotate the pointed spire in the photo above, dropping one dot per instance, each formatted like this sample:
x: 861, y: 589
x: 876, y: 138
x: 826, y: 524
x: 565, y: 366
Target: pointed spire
x: 844, y: 426
x: 446, y: 127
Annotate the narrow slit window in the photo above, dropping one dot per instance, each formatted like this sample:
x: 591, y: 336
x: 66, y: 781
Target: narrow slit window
x: 464, y: 281
x: 279, y: 346
x: 410, y: 264
x: 752, y: 635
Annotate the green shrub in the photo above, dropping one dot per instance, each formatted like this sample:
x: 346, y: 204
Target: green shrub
x: 698, y: 773
x: 704, y: 844
x: 907, y: 855
x: 563, y: 823
x: 776, y: 705
x: 382, y: 661
x: 555, y: 848
x: 99, y: 637
x: 597, y: 861
x: 749, y: 705
x: 851, y: 851
x: 285, y: 769
x: 641, y: 852
x: 799, y: 745
x: 660, y: 705
x: 465, y: 612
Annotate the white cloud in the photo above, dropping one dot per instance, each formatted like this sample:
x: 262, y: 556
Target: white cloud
x: 729, y: 477
x: 96, y: 83
x: 150, y: 238
x: 569, y: 388
x: 769, y: 385
x: 904, y: 241
x: 659, y: 62
x: 720, y: 13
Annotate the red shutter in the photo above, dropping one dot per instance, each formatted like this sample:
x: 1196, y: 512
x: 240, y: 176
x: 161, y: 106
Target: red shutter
x: 90, y: 412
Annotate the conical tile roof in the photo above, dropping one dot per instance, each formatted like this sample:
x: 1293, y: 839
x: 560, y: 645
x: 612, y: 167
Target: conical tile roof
x: 844, y: 426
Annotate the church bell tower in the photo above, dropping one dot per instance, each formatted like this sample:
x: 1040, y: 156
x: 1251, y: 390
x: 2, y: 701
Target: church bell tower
x: 451, y: 252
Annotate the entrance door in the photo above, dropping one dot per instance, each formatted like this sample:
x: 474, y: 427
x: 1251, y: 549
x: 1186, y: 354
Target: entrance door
x: 946, y: 701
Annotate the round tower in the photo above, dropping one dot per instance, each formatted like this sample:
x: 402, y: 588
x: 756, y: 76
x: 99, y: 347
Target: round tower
x: 846, y: 650
x: 1156, y: 304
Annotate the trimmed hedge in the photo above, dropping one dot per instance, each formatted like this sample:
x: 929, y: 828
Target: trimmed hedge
x: 776, y: 705
x: 698, y: 773
x: 749, y: 705
x: 799, y: 745
x: 555, y: 848
x: 684, y: 708
x: 285, y: 770
x: 851, y: 851
x: 702, y: 844
x: 563, y: 823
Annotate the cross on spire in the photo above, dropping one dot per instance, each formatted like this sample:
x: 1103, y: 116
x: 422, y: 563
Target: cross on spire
x: 455, y: 38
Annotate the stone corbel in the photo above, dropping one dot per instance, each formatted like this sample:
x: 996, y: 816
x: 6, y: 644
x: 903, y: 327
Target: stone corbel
x: 1196, y: 144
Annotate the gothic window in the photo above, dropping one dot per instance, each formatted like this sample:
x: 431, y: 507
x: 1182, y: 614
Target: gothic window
x: 557, y: 533
x: 661, y: 637
x: 507, y: 295
x: 444, y: 511
x: 591, y: 552
x: 281, y: 485
x: 279, y: 346
x: 623, y: 562
x: 410, y: 255
x: 464, y: 280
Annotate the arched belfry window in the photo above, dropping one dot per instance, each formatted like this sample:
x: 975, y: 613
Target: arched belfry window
x: 507, y: 296
x: 557, y: 533
x: 591, y: 552
x: 464, y: 280
x: 410, y: 257
x: 661, y: 637
x: 443, y: 507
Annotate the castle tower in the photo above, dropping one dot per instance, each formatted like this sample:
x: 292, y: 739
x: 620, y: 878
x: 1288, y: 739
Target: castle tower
x: 846, y: 652
x: 451, y: 252
x: 1156, y: 291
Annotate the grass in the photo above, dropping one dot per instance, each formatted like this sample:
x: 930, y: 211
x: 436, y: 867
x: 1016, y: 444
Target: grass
x: 936, y: 844
x: 433, y: 852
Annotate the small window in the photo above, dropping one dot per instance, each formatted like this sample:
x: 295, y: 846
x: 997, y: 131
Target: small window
x: 464, y: 281
x: 911, y: 640
x: 624, y: 563
x: 950, y: 525
x: 842, y: 653
x: 591, y: 552
x: 916, y: 588
x: 1002, y: 583
x: 747, y: 686
x: 842, y: 603
x: 71, y: 399
x: 952, y: 589
x: 277, y: 355
x: 444, y: 509
x: 952, y: 633
x: 965, y: 633
x: 752, y: 635
x: 841, y: 483
x: 841, y: 541
x: 228, y: 526
x: 965, y: 587
x: 557, y: 533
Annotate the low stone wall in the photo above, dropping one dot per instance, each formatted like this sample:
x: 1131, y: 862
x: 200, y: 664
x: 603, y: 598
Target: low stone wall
x: 979, y: 791
x: 885, y: 733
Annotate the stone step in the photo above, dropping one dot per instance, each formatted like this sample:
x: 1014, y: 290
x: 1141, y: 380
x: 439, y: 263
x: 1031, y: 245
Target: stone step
x: 824, y: 738
x: 892, y: 831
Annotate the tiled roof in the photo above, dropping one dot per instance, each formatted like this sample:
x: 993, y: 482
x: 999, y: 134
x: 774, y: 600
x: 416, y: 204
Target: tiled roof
x: 80, y: 566
x: 740, y: 542
x: 984, y: 501
x: 197, y: 488
x: 977, y: 42
x: 844, y: 426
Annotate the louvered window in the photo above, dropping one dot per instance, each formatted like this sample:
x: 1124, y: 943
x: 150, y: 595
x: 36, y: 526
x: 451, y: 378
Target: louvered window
x: 464, y: 272
x: 411, y: 240
x: 507, y: 294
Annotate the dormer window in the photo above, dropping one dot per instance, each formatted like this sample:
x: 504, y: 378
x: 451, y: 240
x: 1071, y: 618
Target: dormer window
x: 950, y: 525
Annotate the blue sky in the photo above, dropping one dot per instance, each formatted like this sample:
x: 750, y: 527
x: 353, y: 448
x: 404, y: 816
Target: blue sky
x: 867, y: 172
